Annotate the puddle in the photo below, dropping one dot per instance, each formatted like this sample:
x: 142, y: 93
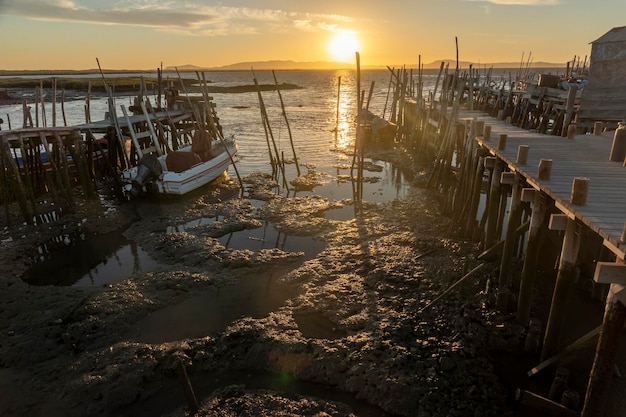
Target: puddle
x: 251, y: 296
x: 341, y: 213
x: 171, y: 394
x: 82, y: 259
x: 267, y: 237
x: 314, y: 325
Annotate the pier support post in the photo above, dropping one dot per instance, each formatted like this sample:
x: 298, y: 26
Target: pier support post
x: 494, y: 205
x: 471, y: 221
x: 606, y: 352
x: 565, y: 281
x: 569, y: 108
x: 537, y: 226
x: 512, y: 236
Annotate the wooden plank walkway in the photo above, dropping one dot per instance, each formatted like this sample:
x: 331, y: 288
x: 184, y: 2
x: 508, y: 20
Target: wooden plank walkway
x: 582, y: 156
x: 103, y: 125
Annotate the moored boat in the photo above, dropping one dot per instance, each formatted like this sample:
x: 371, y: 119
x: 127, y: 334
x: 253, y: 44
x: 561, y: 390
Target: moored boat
x: 181, y: 171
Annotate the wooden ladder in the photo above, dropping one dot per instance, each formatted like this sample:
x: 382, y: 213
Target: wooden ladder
x: 135, y: 136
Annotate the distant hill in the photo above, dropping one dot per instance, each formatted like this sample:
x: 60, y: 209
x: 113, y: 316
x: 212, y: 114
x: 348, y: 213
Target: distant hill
x: 321, y: 65
x: 465, y: 64
x: 270, y: 65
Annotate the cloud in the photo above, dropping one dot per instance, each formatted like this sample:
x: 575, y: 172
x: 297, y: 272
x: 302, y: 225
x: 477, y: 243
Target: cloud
x: 521, y: 2
x: 189, y: 17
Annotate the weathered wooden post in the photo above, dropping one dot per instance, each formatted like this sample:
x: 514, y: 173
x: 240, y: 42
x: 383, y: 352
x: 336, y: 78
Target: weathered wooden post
x: 515, y: 218
x: 597, y: 128
x: 565, y: 281
x: 14, y: 174
x: 618, y: 147
x: 537, y: 225
x: 567, y: 274
x: 569, y: 108
x: 471, y: 221
x: 502, y: 141
x: 522, y: 154
x: 606, y: 350
x: 487, y: 132
x: 494, y: 204
x: 545, y: 169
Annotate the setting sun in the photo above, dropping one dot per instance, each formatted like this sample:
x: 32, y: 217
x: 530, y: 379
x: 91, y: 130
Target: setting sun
x: 343, y: 46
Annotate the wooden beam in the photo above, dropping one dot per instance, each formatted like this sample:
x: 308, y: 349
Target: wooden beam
x: 573, y: 347
x: 528, y: 195
x: 610, y: 273
x: 545, y: 405
x: 558, y: 222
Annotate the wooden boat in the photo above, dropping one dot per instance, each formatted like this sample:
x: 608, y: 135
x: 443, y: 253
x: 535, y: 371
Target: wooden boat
x: 181, y: 171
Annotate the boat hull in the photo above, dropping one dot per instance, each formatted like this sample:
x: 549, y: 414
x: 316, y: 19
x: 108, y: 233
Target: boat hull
x: 179, y: 183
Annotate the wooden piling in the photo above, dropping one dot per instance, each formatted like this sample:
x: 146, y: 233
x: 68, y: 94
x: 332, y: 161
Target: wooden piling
x: 487, y: 132
x: 535, y: 233
x: 16, y: 180
x: 569, y: 109
x: 580, y: 189
x: 514, y: 221
x: 565, y: 281
x: 597, y: 128
x: 493, y: 207
x: 606, y: 352
x: 522, y: 154
x: 545, y: 169
x: 502, y: 141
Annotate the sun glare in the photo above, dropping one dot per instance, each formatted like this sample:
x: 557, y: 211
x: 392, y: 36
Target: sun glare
x: 343, y: 46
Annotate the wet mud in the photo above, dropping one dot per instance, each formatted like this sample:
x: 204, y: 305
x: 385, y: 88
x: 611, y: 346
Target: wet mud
x: 330, y: 326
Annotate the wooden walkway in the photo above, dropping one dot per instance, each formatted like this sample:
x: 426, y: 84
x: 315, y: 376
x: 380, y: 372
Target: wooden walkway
x: 582, y: 156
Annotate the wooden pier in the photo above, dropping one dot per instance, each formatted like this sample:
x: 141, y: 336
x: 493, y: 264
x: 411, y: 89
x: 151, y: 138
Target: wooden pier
x: 566, y: 184
x: 52, y: 161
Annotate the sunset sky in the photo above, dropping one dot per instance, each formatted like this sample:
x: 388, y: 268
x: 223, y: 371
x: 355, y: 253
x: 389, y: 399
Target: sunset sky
x: 142, y: 34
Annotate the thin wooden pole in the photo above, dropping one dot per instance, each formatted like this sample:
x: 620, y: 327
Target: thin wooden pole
x: 216, y: 131
x: 282, y: 106
x: 269, y: 129
x: 44, y: 121
x: 63, y: 107
x: 54, y: 102
x: 337, y: 115
x: 113, y: 116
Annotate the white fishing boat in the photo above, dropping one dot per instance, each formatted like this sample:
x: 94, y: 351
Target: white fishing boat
x: 181, y: 171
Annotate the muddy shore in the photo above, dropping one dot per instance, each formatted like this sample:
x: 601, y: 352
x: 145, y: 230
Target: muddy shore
x: 354, y: 335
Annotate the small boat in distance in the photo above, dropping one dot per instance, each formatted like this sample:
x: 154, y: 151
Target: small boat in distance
x: 181, y: 171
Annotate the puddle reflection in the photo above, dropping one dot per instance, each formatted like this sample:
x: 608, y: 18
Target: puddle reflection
x: 82, y: 259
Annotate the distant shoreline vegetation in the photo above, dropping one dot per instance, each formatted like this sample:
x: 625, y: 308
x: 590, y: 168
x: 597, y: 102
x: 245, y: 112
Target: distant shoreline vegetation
x: 124, y: 85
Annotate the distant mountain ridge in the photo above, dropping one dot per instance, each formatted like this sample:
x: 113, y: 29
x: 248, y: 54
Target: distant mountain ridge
x: 318, y: 65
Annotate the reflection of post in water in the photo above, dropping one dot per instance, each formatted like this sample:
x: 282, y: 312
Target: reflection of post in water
x: 135, y: 253
x: 358, y: 143
x: 227, y: 243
